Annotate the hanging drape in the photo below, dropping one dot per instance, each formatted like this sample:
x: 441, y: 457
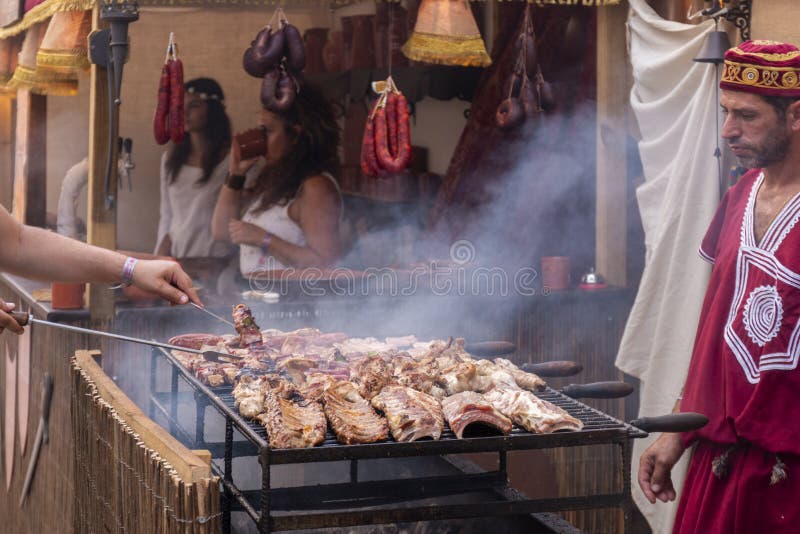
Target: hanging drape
x: 675, y: 103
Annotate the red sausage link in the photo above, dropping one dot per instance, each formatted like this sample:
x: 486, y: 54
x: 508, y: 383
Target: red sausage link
x: 176, y: 101
x: 391, y: 122
x: 161, y: 118
x: 369, y: 161
x: 393, y: 164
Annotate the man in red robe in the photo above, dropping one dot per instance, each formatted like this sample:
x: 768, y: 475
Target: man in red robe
x: 744, y: 475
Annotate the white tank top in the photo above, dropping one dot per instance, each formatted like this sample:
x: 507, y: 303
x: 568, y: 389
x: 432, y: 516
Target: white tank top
x: 277, y: 221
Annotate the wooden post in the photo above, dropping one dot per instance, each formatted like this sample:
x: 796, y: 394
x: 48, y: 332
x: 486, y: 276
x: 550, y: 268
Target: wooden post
x: 29, y: 203
x: 612, y: 105
x: 101, y: 227
x: 6, y: 149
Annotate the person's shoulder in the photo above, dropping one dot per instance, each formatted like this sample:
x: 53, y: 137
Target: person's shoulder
x: 318, y: 186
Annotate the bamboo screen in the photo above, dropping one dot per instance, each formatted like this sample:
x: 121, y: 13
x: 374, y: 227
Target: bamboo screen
x: 122, y: 485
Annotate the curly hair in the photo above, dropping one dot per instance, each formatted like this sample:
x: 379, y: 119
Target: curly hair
x: 217, y: 132
x: 315, y: 148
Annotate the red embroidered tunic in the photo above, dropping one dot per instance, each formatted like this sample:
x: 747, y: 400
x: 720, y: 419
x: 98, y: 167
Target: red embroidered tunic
x: 742, y: 374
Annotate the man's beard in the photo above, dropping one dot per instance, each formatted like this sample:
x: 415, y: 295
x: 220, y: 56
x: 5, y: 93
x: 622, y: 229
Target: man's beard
x: 773, y: 150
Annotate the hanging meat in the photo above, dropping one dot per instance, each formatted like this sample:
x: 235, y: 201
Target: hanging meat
x: 168, y: 119
x: 528, y: 93
x: 278, y: 58
x: 386, y: 146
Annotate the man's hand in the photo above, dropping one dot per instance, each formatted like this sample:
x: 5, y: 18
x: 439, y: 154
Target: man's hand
x: 166, y: 279
x: 6, y: 321
x: 655, y: 466
x: 243, y: 233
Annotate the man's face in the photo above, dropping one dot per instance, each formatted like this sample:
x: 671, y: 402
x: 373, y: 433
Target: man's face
x: 757, y: 135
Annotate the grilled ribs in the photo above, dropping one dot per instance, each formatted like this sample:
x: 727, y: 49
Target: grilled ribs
x: 467, y: 408
x: 352, y: 418
x: 411, y: 414
x: 530, y: 412
x: 291, y: 420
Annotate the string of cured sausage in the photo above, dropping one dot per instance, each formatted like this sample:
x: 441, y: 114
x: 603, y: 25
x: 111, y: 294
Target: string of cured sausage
x: 278, y: 58
x: 528, y: 94
x: 168, y: 119
x: 386, y: 145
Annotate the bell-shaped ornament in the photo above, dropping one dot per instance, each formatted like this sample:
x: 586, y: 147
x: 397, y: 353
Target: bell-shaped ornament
x: 27, y: 76
x: 714, y: 48
x: 9, y: 57
x: 446, y: 33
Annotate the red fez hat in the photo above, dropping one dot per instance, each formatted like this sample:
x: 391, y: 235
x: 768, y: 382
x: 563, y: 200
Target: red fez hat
x: 766, y: 68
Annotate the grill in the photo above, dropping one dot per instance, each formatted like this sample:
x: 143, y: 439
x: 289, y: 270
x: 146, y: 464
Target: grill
x: 390, y: 501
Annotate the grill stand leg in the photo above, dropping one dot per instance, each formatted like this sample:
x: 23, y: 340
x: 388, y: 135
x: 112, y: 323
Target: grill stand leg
x: 153, y: 366
x: 200, y: 402
x: 173, y: 403
x: 503, y: 463
x: 353, y: 471
x: 263, y: 521
x: 226, y: 494
x: 626, y: 448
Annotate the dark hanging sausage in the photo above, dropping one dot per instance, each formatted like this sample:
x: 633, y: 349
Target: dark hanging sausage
x: 509, y: 114
x: 531, y: 55
x: 270, y: 54
x: 529, y: 98
x: 161, y: 118
x: 176, y: 101
x: 295, y: 49
x: 249, y: 62
x: 287, y: 90
x: 269, y: 85
x: 547, y: 98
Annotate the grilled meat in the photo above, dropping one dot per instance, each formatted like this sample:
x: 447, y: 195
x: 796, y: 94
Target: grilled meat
x: 249, y: 396
x: 419, y: 374
x: 369, y: 375
x: 530, y: 412
x: 467, y: 408
x: 292, y: 421
x: 411, y: 414
x: 529, y: 381
x: 195, y: 341
x: 249, y: 333
x: 351, y: 417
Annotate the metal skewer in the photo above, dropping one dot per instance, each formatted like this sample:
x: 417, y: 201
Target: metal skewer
x: 214, y: 315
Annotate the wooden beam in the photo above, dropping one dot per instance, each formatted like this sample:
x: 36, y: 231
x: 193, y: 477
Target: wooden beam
x: 611, y: 178
x: 6, y: 149
x: 29, y: 204
x: 189, y: 466
x: 101, y: 227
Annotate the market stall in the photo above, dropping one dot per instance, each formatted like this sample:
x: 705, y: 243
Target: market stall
x: 479, y: 217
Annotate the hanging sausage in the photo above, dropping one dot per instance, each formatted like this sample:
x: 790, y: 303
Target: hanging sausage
x: 278, y: 58
x: 386, y: 146
x: 168, y: 119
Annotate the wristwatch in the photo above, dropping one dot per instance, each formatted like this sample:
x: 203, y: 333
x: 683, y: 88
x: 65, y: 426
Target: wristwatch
x: 235, y: 181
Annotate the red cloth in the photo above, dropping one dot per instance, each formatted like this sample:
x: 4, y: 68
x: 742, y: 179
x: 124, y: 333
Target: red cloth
x: 743, y: 502
x: 766, y: 68
x: 743, y: 372
x: 30, y: 4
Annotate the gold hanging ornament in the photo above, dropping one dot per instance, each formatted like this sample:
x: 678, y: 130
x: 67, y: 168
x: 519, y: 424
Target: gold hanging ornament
x: 43, y: 82
x: 9, y: 57
x: 446, y: 33
x: 64, y: 48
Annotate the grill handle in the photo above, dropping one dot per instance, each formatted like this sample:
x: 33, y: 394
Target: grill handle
x: 676, y: 422
x: 598, y: 390
x: 20, y: 317
x: 553, y: 369
x: 490, y: 348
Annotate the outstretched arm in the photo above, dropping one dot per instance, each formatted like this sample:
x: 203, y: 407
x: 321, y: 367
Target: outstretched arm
x: 43, y: 255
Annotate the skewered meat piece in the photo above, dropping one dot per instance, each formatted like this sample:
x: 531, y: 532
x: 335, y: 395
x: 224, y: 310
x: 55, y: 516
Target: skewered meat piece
x: 468, y: 408
x: 411, y: 414
x: 351, y: 417
x: 524, y: 379
x: 292, y: 421
x: 369, y: 375
x: 530, y: 412
x: 246, y: 326
x: 195, y: 341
